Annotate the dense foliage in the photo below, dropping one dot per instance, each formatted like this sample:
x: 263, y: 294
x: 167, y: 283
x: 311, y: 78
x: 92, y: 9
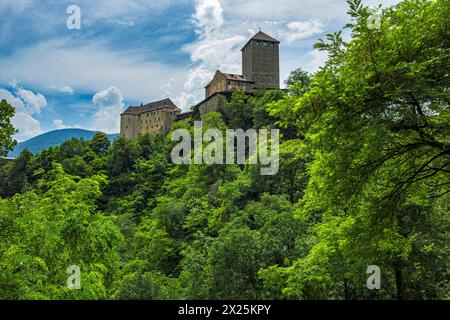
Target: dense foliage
x: 364, y: 180
x: 7, y: 143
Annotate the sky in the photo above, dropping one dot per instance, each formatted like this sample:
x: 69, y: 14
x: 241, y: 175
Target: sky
x: 129, y: 52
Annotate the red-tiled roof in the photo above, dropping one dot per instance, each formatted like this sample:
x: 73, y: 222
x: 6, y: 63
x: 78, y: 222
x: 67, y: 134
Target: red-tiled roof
x: 152, y: 106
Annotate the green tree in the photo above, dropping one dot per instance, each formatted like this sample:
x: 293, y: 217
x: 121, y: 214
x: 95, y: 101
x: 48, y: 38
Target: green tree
x: 43, y: 233
x: 7, y: 143
x: 376, y: 121
x: 100, y: 143
x: 19, y: 175
x: 298, y: 82
x: 238, y: 111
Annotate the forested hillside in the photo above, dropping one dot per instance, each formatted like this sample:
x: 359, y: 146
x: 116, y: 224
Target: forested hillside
x: 53, y: 139
x: 364, y: 180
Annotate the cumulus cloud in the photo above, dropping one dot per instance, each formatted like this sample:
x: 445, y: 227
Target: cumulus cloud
x: 90, y: 68
x: 208, y: 16
x: 23, y: 120
x: 12, y: 100
x: 34, y: 101
x: 109, y: 105
x: 221, y: 28
x: 167, y: 88
x: 214, y: 49
x: 28, y: 126
x: 220, y: 38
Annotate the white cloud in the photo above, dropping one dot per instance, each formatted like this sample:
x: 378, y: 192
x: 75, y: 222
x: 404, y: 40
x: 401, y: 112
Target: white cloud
x: 108, y: 97
x: 222, y: 27
x: 12, y: 100
x: 90, y: 68
x: 303, y: 29
x: 317, y: 60
x: 13, y: 83
x: 221, y: 34
x: 34, y: 101
x: 28, y: 126
x: 327, y: 11
x: 214, y: 49
x: 208, y: 16
x: 124, y: 12
x: 66, y: 89
x: 59, y: 124
x: 63, y: 89
x: 23, y: 120
x: 109, y: 105
x: 167, y: 88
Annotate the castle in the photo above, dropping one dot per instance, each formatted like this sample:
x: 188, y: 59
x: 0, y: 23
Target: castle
x: 260, y: 71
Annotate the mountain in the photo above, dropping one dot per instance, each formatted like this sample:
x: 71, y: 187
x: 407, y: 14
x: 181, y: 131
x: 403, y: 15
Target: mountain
x: 53, y: 139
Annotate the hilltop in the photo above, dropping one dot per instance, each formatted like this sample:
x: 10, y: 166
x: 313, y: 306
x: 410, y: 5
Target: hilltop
x: 53, y: 139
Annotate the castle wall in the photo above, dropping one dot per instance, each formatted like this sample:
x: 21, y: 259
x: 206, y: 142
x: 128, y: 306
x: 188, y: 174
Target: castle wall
x: 157, y: 121
x: 169, y: 117
x: 215, y: 103
x: 218, y: 84
x: 221, y: 84
x: 153, y: 122
x: 129, y: 126
x: 239, y: 86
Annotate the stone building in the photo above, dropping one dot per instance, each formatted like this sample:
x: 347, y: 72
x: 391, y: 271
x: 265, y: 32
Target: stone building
x: 261, y: 62
x: 260, y: 71
x: 154, y: 118
x: 226, y: 82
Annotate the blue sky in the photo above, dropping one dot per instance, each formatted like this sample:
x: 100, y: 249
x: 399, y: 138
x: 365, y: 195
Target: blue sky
x: 133, y: 51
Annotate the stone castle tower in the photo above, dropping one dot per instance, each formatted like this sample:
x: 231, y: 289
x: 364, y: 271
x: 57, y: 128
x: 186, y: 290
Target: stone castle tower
x: 261, y: 61
x: 260, y: 71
